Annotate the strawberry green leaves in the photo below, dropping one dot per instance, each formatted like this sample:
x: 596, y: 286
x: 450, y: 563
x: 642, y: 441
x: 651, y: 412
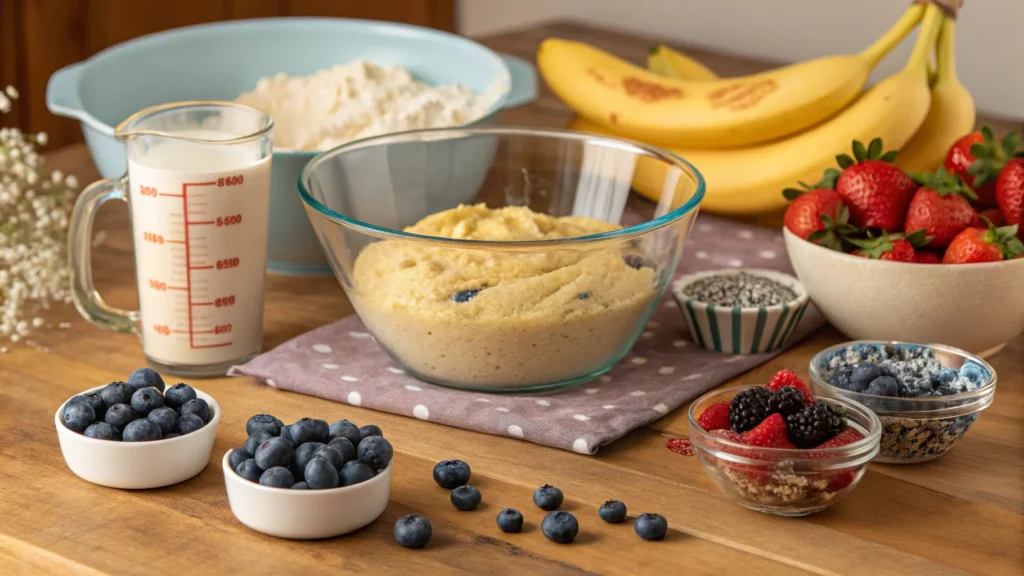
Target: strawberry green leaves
x: 990, y: 155
x: 944, y: 182
x: 873, y: 151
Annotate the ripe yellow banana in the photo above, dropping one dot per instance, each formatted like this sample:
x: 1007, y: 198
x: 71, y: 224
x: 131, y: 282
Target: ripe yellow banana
x: 669, y: 63
x: 629, y: 100
x: 745, y: 181
x: 950, y: 116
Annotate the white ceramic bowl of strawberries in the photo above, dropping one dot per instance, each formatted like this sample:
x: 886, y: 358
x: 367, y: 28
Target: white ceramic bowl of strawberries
x: 969, y: 297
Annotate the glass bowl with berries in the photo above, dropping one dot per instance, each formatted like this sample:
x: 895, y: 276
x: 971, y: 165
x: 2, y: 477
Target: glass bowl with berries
x: 779, y: 449
x: 927, y: 396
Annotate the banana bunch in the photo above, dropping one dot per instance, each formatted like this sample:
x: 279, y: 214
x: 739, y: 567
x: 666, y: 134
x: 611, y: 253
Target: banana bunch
x: 757, y: 141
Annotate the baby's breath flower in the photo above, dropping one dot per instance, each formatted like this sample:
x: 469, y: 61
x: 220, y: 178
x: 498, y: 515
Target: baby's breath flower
x: 34, y: 212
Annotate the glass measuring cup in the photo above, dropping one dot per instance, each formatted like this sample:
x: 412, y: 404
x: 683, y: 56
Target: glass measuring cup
x: 198, y: 192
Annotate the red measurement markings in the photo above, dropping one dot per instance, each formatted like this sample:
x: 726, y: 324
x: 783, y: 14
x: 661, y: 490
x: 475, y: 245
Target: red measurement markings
x: 225, y: 301
x: 158, y: 285
x: 200, y: 267
x: 221, y: 345
x: 147, y: 191
x: 227, y: 263
x: 229, y: 220
x: 152, y: 237
x: 162, y: 329
x: 230, y: 181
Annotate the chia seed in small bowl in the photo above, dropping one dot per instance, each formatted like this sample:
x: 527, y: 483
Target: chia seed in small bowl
x: 926, y: 395
x: 740, y: 311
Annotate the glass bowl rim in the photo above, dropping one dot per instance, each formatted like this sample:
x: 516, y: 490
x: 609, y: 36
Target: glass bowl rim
x: 410, y: 135
x: 979, y: 395
x: 867, y: 444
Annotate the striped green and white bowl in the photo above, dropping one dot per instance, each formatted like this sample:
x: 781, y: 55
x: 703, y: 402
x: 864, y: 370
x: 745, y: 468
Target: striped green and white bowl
x: 738, y: 330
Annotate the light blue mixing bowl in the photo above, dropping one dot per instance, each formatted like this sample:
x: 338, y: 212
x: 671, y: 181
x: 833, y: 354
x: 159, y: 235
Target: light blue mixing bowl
x: 220, y: 61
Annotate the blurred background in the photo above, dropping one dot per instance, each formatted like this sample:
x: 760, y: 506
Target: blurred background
x: 39, y: 36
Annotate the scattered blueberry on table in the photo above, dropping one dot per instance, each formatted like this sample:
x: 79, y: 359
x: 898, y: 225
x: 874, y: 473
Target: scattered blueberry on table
x: 547, y: 497
x: 309, y: 454
x: 412, y: 531
x: 451, y: 474
x: 466, y: 498
x: 651, y: 526
x: 510, y: 521
x: 140, y: 410
x: 612, y: 512
x: 560, y: 526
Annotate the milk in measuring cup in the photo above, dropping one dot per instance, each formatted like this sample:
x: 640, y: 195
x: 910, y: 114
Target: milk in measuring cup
x: 199, y: 221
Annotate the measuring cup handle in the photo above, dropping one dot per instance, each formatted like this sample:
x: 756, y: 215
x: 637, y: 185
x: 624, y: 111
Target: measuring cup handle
x: 88, y: 302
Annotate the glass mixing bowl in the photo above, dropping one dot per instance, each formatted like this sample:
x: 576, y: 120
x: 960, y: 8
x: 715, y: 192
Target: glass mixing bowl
x: 501, y: 316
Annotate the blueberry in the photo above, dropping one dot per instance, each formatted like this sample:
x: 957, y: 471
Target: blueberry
x: 633, y: 261
x: 321, y: 474
x: 169, y: 435
x: 375, y: 452
x: 466, y: 498
x: 346, y: 448
x: 310, y: 430
x: 274, y: 453
x: 255, y: 440
x: 463, y: 296
x: 94, y: 400
x: 345, y: 429
x: 841, y: 378
x: 238, y: 455
x: 119, y: 415
x: 510, y: 520
x: 560, y: 527
x: 612, y: 511
x: 369, y: 430
x: 141, y: 430
x: 331, y: 454
x: 650, y: 526
x: 188, y: 424
x: 264, y: 422
x: 165, y: 418
x: 974, y: 372
x: 304, y: 453
x: 102, y: 431
x: 196, y: 406
x: 277, y: 477
x: 249, y: 470
x: 117, y: 393
x: 145, y: 400
x: 355, y: 472
x: 547, y: 497
x: 412, y: 531
x: 947, y: 375
x: 78, y: 415
x: 300, y: 486
x: 451, y: 474
x: 863, y: 374
x: 884, y: 386
x: 583, y: 296
x: 177, y: 395
x: 146, y: 378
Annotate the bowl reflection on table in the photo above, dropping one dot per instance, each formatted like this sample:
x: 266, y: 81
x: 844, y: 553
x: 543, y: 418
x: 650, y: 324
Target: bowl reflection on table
x: 367, y: 192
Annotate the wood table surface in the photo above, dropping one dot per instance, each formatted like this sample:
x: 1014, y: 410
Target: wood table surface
x: 963, y: 513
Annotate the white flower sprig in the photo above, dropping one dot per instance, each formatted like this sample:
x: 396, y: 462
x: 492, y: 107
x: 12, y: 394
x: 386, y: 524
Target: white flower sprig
x: 34, y: 212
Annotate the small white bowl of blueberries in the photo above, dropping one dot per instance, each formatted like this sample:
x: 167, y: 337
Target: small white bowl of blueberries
x: 926, y: 395
x: 308, y: 479
x: 138, y: 434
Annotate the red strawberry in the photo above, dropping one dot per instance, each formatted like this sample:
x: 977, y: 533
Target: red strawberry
x: 817, y: 213
x: 978, y: 157
x: 1010, y: 192
x: 838, y: 479
x: 757, y: 473
x: 941, y: 206
x: 876, y: 191
x: 993, y: 215
x: 926, y: 257
x: 715, y: 417
x: 770, y: 433
x: 896, y: 247
x: 789, y: 378
x: 992, y: 245
x: 726, y: 435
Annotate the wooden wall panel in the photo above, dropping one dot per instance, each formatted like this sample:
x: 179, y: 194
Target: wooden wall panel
x: 37, y: 37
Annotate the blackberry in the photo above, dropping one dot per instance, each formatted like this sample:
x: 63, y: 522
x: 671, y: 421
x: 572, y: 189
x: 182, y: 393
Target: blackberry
x: 814, y: 424
x: 749, y: 408
x: 786, y: 400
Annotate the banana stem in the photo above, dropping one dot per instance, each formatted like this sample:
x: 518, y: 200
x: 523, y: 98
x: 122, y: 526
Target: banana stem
x: 926, y: 40
x: 945, y: 57
x: 894, y: 35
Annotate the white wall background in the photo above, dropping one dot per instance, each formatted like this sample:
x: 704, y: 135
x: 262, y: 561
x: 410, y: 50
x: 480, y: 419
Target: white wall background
x: 990, y: 33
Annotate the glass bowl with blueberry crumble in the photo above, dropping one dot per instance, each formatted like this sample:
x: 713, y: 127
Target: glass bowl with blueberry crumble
x: 501, y: 259
x: 927, y: 396
x: 779, y: 450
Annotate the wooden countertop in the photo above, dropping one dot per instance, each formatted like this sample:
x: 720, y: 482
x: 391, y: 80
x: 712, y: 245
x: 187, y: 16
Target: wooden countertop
x: 963, y: 513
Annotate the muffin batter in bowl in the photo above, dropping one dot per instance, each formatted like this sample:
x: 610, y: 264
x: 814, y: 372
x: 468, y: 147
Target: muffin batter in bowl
x: 487, y: 319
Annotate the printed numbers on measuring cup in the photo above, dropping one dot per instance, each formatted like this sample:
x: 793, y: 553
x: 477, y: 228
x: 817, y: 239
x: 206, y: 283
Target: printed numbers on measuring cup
x: 227, y: 263
x: 230, y: 180
x: 153, y: 237
x: 229, y: 220
x: 147, y: 191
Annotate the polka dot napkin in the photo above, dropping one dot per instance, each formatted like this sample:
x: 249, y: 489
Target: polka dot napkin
x: 342, y: 362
